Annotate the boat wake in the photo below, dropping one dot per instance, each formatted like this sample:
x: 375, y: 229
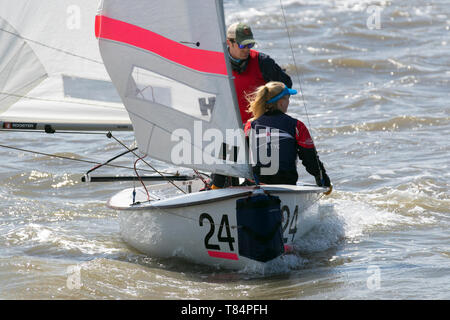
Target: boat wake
x: 346, y: 219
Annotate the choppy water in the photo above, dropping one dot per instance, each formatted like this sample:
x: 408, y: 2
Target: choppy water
x: 378, y: 105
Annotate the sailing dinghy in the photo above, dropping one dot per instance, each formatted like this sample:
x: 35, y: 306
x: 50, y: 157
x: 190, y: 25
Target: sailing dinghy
x: 167, y: 60
x: 172, y: 86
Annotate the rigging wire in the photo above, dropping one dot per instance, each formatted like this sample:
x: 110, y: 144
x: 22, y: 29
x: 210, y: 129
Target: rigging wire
x: 73, y: 159
x: 50, y: 47
x: 139, y: 177
x: 110, y: 135
x: 297, y: 72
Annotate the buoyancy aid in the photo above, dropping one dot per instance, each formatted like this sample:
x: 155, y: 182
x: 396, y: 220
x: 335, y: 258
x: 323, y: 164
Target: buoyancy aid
x: 280, y: 129
x: 288, y: 136
x: 246, y: 82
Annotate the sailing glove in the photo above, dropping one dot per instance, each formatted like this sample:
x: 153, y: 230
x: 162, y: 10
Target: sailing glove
x: 324, y: 182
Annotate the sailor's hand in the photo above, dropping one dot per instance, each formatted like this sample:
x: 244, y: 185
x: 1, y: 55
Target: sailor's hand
x: 323, y: 181
x: 330, y: 189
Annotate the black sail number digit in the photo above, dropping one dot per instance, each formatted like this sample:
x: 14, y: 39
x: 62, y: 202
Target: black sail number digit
x: 285, y: 210
x: 228, y: 238
x: 293, y: 224
x: 288, y: 222
x: 206, y: 216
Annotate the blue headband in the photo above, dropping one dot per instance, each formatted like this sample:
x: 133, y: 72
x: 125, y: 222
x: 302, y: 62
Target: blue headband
x: 286, y: 91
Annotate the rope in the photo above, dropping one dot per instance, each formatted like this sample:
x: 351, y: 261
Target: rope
x: 201, y: 178
x: 112, y: 159
x: 139, y: 177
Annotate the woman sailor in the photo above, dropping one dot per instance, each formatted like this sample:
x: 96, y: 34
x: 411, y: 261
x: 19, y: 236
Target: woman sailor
x: 280, y: 138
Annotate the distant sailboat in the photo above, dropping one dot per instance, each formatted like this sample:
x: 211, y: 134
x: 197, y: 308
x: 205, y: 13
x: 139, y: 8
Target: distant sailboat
x: 50, y: 66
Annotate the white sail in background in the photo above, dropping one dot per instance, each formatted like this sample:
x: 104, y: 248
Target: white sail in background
x: 167, y: 60
x: 51, y: 72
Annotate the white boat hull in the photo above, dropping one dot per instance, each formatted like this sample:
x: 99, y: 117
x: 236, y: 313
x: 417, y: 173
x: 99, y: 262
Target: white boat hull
x: 202, y: 226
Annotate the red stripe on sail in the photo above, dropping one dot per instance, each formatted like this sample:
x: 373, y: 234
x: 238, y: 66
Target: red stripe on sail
x: 288, y: 248
x: 223, y: 255
x: 197, y: 59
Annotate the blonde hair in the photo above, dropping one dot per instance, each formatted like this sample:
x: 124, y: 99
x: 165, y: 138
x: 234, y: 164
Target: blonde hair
x: 258, y: 99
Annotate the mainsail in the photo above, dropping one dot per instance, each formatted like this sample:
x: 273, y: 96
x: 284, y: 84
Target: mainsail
x: 167, y: 60
x: 51, y: 72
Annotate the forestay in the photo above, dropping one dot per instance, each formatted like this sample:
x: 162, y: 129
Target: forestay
x: 51, y: 72
x: 167, y: 60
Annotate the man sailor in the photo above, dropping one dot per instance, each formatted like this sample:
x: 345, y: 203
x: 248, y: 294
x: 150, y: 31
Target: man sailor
x: 251, y: 69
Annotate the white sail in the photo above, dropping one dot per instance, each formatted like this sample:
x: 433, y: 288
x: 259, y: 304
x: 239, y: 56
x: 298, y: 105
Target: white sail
x: 51, y: 72
x: 167, y: 60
